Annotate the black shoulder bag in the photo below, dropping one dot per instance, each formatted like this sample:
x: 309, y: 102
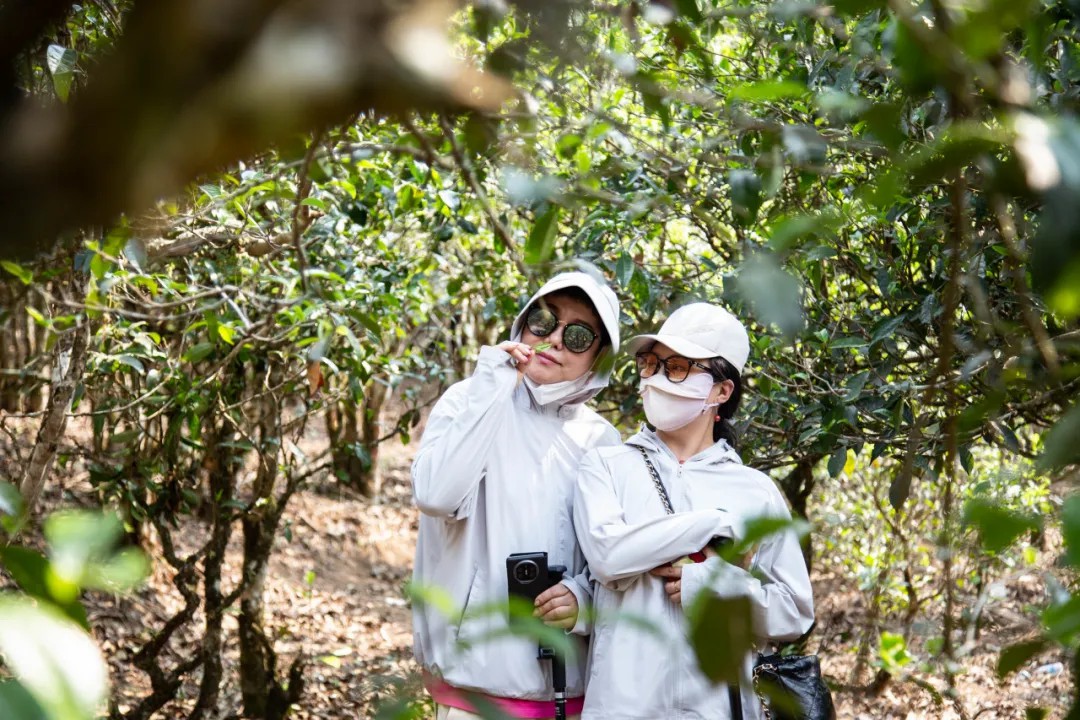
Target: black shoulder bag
x: 790, y: 687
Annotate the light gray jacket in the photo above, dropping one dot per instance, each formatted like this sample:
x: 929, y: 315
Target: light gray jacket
x: 647, y: 669
x: 495, y: 475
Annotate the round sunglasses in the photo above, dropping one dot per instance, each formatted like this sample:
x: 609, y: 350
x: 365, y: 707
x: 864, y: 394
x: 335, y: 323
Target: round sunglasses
x: 676, y: 367
x: 576, y: 337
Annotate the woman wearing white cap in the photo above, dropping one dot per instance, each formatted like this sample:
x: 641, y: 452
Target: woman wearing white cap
x: 664, y: 497
x: 495, y: 475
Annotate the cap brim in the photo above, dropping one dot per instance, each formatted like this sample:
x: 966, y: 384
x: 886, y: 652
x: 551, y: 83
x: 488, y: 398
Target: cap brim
x: 678, y: 345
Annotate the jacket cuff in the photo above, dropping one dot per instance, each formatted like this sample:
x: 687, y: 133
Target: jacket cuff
x: 583, y: 624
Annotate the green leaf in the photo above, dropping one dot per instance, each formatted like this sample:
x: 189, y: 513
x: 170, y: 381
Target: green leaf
x: 721, y: 633
x: 746, y: 196
x: 198, y: 352
x: 54, y: 659
x: 541, y: 243
x: 1062, y: 620
x: 857, y: 7
x: 18, y: 271
x: 849, y: 342
x: 998, y: 527
x: 132, y: 362
x: 774, y: 295
x: 122, y: 572
x: 1070, y: 529
x: 17, y: 703
x: 61, y: 62
x: 689, y: 9
x: 1060, y: 447
x: 757, y: 529
x: 77, y: 539
x: 768, y: 91
x: 28, y: 568
x: 837, y: 461
x: 892, y: 652
x: 11, y: 507
x: 624, y: 269
x: 31, y: 571
x: 1014, y: 656
x: 568, y: 144
x: 900, y: 488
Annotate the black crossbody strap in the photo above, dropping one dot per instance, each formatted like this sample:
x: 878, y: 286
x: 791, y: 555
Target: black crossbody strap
x: 660, y: 489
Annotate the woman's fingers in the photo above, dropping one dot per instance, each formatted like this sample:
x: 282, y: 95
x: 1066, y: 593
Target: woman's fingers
x: 673, y: 588
x: 667, y: 571
x: 555, y: 591
x: 557, y: 606
x: 520, y: 352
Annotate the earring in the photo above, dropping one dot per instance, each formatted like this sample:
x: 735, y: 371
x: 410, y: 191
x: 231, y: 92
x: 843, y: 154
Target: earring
x: 717, y: 417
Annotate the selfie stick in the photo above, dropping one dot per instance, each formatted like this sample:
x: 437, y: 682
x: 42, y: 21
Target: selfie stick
x: 558, y: 680
x: 558, y: 667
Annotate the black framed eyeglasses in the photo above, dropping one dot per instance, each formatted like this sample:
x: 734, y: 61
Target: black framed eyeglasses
x: 576, y: 337
x: 676, y: 367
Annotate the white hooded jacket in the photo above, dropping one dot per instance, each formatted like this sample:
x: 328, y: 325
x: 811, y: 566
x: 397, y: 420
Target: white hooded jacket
x: 495, y: 475
x: 624, y: 532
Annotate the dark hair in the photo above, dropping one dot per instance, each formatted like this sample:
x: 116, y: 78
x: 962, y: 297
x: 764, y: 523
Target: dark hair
x: 722, y: 370
x: 576, y: 293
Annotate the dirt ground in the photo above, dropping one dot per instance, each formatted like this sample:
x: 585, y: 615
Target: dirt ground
x: 335, y: 595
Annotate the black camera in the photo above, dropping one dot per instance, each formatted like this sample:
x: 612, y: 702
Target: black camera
x: 528, y: 574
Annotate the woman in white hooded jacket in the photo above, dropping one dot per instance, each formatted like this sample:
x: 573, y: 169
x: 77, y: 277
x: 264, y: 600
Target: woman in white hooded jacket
x: 637, y: 551
x: 495, y: 475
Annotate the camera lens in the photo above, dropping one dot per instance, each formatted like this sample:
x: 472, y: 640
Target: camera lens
x: 526, y: 572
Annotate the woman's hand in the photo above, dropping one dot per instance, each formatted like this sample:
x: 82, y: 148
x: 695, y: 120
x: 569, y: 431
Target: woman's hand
x: 557, y: 606
x: 672, y: 575
x: 519, y: 351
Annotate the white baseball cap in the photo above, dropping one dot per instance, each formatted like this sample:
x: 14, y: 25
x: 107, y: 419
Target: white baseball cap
x: 698, y: 331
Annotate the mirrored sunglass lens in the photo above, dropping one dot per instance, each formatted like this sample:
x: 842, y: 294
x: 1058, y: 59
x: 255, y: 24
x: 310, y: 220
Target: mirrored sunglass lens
x: 677, y: 368
x: 541, y: 322
x: 577, y: 338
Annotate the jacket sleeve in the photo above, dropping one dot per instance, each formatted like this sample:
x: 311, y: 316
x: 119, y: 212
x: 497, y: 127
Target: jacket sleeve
x: 581, y: 586
x: 453, y: 452
x: 618, y: 551
x: 582, y: 582
x: 778, y: 586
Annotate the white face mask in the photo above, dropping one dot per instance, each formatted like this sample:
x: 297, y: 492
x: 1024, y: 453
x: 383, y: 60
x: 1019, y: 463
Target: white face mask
x: 558, y: 391
x: 670, y: 406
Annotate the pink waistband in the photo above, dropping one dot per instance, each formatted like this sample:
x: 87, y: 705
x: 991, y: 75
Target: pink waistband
x: 445, y: 694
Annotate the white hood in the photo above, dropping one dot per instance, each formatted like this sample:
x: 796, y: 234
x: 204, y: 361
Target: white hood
x: 607, y: 307
x: 495, y: 475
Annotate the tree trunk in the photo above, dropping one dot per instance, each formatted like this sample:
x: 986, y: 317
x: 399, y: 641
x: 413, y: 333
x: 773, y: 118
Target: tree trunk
x: 9, y: 390
x: 220, y: 476
x: 375, y: 397
x: 36, y: 336
x: 263, y: 695
x: 258, y: 663
x: 67, y: 371
x: 797, y: 486
x: 355, y: 432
